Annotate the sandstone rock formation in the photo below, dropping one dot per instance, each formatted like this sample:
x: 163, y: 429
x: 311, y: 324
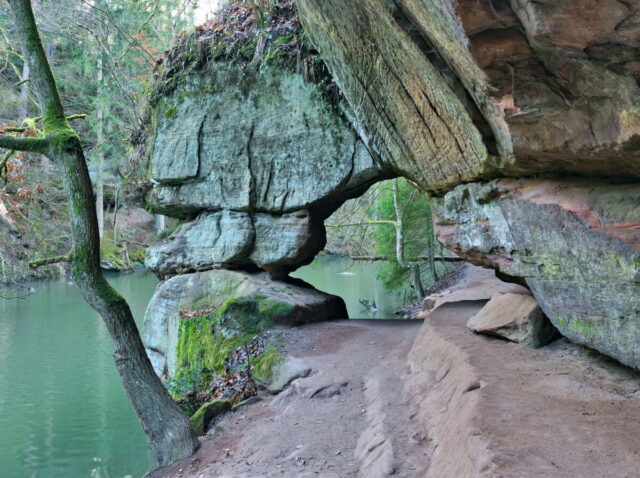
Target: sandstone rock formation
x: 448, y: 93
x: 575, y: 242
x: 243, y: 305
x: 451, y: 95
x: 515, y: 317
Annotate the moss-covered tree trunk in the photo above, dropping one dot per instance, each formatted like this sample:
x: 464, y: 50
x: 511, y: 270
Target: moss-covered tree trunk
x: 168, y: 430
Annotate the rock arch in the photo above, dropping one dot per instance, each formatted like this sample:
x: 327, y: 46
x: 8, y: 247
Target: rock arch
x: 508, y: 112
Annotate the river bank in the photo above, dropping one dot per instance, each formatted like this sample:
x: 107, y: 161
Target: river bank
x: 461, y: 405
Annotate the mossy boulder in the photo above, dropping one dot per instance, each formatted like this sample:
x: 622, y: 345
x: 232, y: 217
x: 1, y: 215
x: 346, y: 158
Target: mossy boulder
x: 113, y: 258
x: 245, y: 304
x: 273, y: 371
x: 207, y: 412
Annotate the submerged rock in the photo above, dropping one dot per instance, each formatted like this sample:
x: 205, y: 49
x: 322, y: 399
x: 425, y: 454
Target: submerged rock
x: 515, y: 317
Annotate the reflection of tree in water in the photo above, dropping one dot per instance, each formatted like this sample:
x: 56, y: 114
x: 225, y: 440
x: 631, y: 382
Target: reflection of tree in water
x: 390, y: 223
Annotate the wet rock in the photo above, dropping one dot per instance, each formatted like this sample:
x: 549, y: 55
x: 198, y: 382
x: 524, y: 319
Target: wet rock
x: 515, y: 317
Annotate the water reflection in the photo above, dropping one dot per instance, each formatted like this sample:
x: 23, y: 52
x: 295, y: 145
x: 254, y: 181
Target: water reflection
x: 355, y: 282
x: 63, y: 411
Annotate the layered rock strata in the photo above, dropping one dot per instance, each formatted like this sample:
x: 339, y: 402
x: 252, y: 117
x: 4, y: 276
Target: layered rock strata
x: 254, y: 160
x: 450, y: 93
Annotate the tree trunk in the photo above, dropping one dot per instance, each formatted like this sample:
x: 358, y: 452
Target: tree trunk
x: 100, y: 155
x: 399, y: 225
x: 23, y: 107
x: 417, y: 281
x: 166, y: 427
x: 115, y: 216
x: 158, y: 223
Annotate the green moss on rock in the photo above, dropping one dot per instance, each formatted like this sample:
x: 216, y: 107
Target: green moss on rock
x: 207, y: 412
x: 266, y: 365
x: 204, y: 342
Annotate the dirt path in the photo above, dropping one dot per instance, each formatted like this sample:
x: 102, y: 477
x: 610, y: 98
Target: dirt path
x: 346, y: 419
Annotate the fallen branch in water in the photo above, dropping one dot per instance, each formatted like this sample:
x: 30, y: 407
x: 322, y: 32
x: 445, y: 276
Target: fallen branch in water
x: 416, y: 259
x: 34, y: 264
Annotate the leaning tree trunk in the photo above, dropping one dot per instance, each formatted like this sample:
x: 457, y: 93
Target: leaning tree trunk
x: 167, y: 428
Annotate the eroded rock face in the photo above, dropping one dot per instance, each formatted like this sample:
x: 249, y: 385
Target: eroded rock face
x: 515, y: 317
x: 451, y: 94
x: 278, y: 244
x: 262, y: 157
x: 461, y: 92
x: 233, y: 138
x: 255, y: 300
x: 575, y: 243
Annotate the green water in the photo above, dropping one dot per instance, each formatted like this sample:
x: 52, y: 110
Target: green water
x: 63, y: 411
x: 352, y: 280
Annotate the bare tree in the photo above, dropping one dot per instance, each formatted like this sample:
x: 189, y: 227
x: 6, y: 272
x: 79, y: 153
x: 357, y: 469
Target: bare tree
x: 167, y: 428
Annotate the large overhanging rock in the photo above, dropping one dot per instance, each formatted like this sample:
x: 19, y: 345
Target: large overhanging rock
x: 575, y: 243
x: 262, y: 156
x: 239, y: 303
x: 542, y: 86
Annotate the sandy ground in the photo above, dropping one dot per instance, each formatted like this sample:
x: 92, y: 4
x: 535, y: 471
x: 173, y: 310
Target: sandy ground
x: 396, y: 398
x: 352, y: 401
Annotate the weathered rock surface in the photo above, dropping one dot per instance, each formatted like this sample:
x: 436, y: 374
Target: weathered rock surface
x: 206, y: 413
x: 233, y: 138
x: 575, y: 242
x: 515, y: 317
x: 514, y: 87
x: 277, y: 244
x: 461, y: 92
x: 239, y: 296
x: 444, y: 93
x: 476, y: 284
x: 489, y: 408
x: 288, y: 370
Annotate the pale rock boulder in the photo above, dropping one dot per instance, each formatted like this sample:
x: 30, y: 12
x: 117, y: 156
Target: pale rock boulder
x: 213, y: 239
x: 277, y: 244
x: 232, y: 138
x: 250, y: 297
x: 575, y: 242
x: 515, y: 317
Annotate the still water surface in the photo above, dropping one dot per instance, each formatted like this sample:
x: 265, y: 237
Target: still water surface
x: 352, y: 280
x: 63, y: 411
